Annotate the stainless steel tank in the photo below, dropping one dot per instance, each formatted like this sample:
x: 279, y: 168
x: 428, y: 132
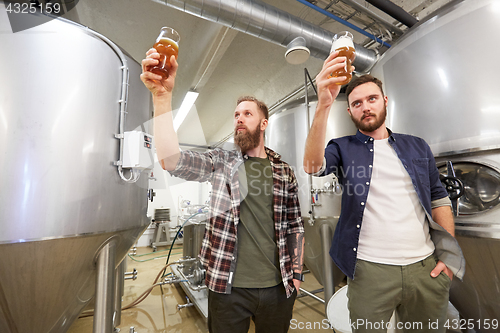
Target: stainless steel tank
x: 291, y: 121
x: 319, y: 196
x: 477, y: 228
x: 440, y: 78
x: 441, y: 84
x: 62, y: 199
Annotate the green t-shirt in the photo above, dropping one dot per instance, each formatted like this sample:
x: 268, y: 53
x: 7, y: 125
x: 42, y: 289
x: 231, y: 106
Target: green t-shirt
x: 257, y: 258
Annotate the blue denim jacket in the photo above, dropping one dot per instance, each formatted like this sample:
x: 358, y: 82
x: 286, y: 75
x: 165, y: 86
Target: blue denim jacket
x: 350, y: 158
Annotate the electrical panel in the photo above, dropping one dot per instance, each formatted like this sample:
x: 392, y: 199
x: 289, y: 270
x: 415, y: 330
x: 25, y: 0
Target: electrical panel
x: 138, y: 150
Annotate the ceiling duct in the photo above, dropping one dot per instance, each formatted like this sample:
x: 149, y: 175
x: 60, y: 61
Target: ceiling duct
x: 395, y: 11
x: 264, y: 21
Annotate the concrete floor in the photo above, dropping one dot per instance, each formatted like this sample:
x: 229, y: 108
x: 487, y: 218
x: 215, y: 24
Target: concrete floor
x: 158, y: 312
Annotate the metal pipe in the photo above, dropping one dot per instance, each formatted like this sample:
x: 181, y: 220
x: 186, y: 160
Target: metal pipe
x: 133, y: 277
x: 316, y: 291
x: 119, y: 288
x: 311, y: 211
x: 344, y: 22
x: 194, y: 146
x: 374, y: 16
x: 196, y: 288
x: 134, y: 272
x: 326, y: 242
x: 186, y: 278
x: 182, y: 306
x: 174, y: 280
x: 275, y: 107
x: 105, y: 289
x: 123, y: 106
x: 134, y: 174
x: 181, y: 261
x: 312, y: 295
x: 130, y: 275
x: 272, y: 109
x: 394, y: 11
x: 269, y: 23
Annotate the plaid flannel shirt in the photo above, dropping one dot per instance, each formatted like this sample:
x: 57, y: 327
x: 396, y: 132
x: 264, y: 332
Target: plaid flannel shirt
x: 219, y: 247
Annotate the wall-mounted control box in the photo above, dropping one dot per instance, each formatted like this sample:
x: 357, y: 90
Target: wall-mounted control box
x: 138, y: 150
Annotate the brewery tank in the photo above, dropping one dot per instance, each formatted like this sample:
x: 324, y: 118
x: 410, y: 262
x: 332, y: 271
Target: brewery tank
x: 62, y: 198
x: 440, y: 83
x: 319, y: 197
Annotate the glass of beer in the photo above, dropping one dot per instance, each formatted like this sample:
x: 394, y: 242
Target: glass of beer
x: 167, y: 44
x: 343, y: 43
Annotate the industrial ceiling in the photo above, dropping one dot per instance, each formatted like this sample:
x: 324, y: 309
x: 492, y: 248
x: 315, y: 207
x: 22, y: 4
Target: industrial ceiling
x: 222, y: 63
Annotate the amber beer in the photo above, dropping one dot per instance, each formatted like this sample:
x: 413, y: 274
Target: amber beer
x: 342, y: 42
x: 167, y: 45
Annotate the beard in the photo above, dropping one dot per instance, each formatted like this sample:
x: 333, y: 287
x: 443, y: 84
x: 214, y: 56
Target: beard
x: 247, y: 140
x: 371, y: 126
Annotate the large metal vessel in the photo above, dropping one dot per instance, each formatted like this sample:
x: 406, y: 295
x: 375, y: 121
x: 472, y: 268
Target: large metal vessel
x: 62, y: 200
x: 435, y: 90
x: 441, y: 84
x: 319, y: 196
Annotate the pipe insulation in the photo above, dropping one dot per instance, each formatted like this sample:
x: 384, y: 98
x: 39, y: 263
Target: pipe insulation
x: 394, y: 11
x: 269, y: 23
x: 374, y: 16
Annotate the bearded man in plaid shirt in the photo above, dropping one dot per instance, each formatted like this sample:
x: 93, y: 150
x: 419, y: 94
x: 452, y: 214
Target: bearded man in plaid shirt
x: 253, y: 246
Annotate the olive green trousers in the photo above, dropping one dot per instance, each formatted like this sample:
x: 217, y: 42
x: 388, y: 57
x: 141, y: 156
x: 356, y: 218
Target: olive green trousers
x: 420, y: 301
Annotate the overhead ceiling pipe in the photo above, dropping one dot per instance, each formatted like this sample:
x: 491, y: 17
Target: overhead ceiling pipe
x: 374, y: 16
x: 395, y: 11
x: 344, y: 22
x: 269, y: 23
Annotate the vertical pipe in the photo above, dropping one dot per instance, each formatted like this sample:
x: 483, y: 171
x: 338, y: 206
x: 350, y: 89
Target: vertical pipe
x: 119, y: 287
x: 105, y: 288
x: 326, y: 240
x: 311, y: 207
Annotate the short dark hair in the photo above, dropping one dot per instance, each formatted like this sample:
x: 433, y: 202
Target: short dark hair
x: 357, y: 81
x: 262, y: 107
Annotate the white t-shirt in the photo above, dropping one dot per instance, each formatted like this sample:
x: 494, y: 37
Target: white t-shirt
x: 395, y: 230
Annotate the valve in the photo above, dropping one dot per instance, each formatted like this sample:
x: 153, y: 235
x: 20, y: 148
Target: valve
x: 131, y: 275
x: 186, y: 305
x: 453, y: 186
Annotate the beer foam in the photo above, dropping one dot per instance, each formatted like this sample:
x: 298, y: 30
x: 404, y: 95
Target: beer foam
x: 342, y: 42
x: 171, y: 41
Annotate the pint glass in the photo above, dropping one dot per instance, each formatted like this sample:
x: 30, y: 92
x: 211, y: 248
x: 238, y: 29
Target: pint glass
x: 343, y: 43
x: 167, y: 44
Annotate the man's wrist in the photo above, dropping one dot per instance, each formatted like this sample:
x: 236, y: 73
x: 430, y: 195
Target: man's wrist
x: 162, y: 97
